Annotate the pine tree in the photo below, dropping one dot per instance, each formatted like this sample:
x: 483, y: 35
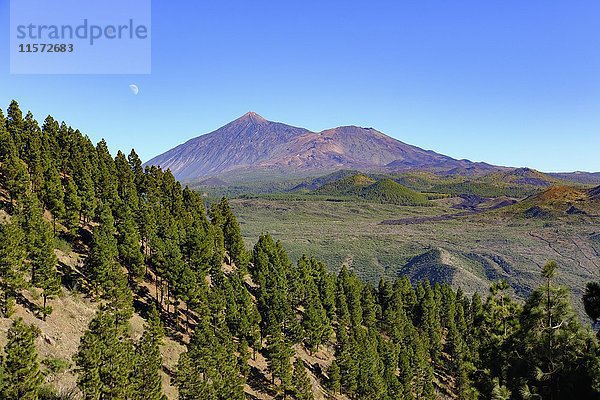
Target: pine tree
x: 16, y: 177
x: 82, y: 175
x: 389, y: 354
x: 52, y: 193
x: 126, y: 187
x: 135, y: 164
x: 430, y: 322
x: 315, y: 323
x: 217, y: 252
x: 334, y: 377
x: 405, y: 368
x: 50, y: 147
x: 352, y: 288
x: 552, y: 346
x: 72, y: 204
x: 146, y: 380
x: 301, y: 283
x: 107, y: 178
x: 6, y: 142
x: 278, y: 359
x: 189, y: 290
x: 129, y: 242
x: 341, y: 304
x: 104, y: 359
x: 301, y: 384
x: 499, y: 322
x: 370, y: 380
x: 461, y: 354
x: 12, y: 256
x: 243, y: 357
x: 43, y: 263
x: 104, y: 270
x: 39, y: 240
x: 326, y: 286
x: 103, y: 251
x: 119, y: 296
x: 269, y: 270
x: 22, y: 376
x: 591, y: 300
x: 209, y: 367
x: 172, y: 263
x: 14, y: 125
x: 370, y: 309
x: 31, y: 152
x: 423, y: 372
x: 459, y: 361
x: 347, y: 361
x: 234, y: 242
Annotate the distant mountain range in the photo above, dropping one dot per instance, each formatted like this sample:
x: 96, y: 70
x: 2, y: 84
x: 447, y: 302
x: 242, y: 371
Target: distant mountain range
x: 252, y: 144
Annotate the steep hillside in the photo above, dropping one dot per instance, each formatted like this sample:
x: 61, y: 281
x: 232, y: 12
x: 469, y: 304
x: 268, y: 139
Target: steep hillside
x: 251, y: 143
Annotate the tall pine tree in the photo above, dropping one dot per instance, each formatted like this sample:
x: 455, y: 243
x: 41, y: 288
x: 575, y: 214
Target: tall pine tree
x: 21, y: 369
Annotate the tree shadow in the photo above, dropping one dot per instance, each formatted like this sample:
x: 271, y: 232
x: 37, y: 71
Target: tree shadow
x: 141, y: 304
x: 257, y: 381
x: 73, y: 280
x: 29, y: 305
x: 317, y: 371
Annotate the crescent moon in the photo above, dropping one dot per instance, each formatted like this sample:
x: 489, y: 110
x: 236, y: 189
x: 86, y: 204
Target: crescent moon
x: 134, y: 89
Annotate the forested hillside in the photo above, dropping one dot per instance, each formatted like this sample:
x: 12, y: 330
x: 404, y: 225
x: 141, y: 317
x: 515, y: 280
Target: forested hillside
x: 253, y: 323
x: 385, y: 191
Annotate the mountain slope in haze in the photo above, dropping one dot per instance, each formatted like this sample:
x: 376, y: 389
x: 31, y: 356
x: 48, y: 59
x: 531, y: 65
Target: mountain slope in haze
x: 253, y: 143
x: 579, y: 177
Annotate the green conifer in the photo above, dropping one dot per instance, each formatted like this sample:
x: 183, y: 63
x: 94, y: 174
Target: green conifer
x: 21, y: 370
x: 12, y: 266
x: 104, y: 359
x: 146, y: 380
x: 301, y: 384
x: 278, y: 358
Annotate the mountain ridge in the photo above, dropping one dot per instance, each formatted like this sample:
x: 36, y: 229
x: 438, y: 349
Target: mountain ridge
x: 252, y: 142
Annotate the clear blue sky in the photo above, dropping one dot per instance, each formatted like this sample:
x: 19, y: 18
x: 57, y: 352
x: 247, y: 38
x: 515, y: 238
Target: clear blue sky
x: 508, y: 82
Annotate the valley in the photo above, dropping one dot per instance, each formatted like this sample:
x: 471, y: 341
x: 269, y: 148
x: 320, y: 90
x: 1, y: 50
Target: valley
x: 482, y: 247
